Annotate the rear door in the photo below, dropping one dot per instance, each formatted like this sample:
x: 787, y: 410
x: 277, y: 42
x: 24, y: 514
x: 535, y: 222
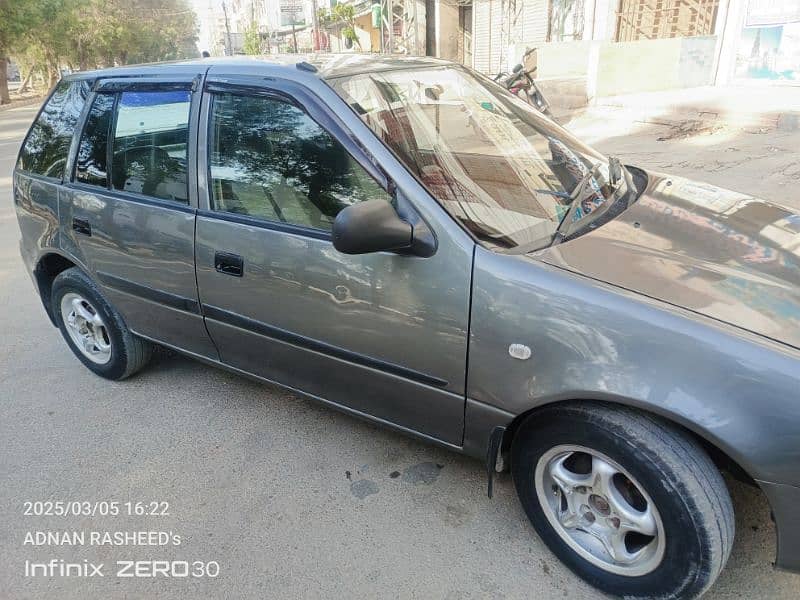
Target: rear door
x: 131, y: 201
x: 382, y: 334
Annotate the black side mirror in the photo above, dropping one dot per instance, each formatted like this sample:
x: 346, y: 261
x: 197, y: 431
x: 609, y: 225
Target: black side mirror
x: 371, y: 226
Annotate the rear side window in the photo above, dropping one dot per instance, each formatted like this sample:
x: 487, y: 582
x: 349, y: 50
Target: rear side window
x: 47, y: 145
x: 90, y: 164
x: 151, y: 141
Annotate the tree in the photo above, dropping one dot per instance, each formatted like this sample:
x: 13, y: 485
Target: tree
x: 136, y: 31
x: 342, y: 19
x: 346, y: 15
x: 52, y: 24
x: 48, y: 35
x: 16, y: 17
x: 252, y: 40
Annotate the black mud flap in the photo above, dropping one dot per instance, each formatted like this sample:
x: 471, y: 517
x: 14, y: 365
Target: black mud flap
x: 493, y: 450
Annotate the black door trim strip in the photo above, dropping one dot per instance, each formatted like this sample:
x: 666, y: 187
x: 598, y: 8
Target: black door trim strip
x: 148, y: 293
x: 241, y: 219
x: 236, y: 320
x: 132, y: 197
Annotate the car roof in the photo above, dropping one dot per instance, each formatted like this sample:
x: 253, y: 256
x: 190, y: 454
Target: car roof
x: 325, y: 66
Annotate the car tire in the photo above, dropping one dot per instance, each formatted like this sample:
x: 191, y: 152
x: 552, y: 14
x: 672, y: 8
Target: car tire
x: 642, y: 476
x: 95, y: 332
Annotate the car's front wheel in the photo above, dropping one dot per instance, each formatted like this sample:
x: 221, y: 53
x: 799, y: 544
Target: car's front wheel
x: 95, y: 332
x: 628, y: 502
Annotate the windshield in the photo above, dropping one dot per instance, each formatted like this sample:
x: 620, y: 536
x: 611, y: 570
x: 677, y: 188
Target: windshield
x: 508, y: 174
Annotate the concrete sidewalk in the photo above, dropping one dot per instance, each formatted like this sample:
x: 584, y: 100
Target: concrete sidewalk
x: 775, y: 106
x: 761, y: 160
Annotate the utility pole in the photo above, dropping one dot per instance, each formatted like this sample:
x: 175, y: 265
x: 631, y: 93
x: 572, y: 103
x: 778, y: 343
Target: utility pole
x: 316, y: 41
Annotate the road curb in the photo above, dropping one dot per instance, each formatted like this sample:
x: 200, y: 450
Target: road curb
x: 21, y: 102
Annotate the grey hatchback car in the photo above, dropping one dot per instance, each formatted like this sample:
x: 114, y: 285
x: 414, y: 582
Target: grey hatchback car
x: 402, y: 239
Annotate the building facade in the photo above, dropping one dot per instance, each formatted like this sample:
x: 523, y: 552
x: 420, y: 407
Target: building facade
x: 584, y: 48
x: 589, y: 48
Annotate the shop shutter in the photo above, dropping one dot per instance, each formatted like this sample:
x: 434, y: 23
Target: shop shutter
x: 534, y: 22
x: 492, y: 38
x: 482, y: 35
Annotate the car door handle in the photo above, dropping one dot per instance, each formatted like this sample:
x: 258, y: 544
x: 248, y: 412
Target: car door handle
x: 81, y: 226
x: 228, y: 264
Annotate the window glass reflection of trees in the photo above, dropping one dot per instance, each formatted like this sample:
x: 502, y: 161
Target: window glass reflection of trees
x: 47, y: 145
x: 269, y: 159
x: 90, y: 165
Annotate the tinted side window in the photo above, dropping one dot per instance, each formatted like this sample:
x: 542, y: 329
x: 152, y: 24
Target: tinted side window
x: 269, y: 159
x: 47, y: 145
x: 90, y: 164
x: 151, y: 140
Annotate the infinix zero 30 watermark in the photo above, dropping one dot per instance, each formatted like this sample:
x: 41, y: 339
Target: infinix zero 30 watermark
x: 177, y: 569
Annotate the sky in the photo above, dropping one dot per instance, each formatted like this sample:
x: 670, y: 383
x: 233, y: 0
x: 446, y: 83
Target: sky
x: 200, y: 8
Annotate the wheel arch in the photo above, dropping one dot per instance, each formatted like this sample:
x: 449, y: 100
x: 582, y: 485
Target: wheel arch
x: 49, y: 265
x: 721, y: 456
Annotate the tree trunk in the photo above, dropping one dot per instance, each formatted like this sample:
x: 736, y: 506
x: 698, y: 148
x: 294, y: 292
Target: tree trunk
x: 54, y: 76
x: 83, y: 62
x: 4, y: 97
x: 23, y: 87
x: 52, y: 66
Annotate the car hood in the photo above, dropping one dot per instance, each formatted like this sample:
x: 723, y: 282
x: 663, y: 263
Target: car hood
x: 726, y: 255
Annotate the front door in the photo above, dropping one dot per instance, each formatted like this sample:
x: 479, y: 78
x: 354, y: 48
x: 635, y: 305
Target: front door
x: 382, y: 334
x: 128, y: 206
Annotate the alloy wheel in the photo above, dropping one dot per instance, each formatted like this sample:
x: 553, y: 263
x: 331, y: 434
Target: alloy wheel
x: 86, y: 328
x: 600, y: 510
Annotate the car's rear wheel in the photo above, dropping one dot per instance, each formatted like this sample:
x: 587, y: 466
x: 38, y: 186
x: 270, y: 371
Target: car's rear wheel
x: 93, y: 329
x: 628, y: 502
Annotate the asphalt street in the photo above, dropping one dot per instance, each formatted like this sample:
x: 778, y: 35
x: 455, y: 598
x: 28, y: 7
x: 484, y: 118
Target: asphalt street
x: 291, y: 499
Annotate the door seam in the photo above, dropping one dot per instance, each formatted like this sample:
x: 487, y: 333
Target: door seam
x: 469, y: 333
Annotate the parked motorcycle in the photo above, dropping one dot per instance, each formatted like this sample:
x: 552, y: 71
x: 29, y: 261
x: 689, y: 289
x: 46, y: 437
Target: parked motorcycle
x: 522, y: 83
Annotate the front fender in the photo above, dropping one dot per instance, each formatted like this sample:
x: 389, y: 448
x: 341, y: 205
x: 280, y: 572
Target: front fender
x: 592, y: 341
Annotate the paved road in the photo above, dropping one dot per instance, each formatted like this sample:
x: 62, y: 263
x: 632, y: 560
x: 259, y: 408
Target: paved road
x: 292, y: 499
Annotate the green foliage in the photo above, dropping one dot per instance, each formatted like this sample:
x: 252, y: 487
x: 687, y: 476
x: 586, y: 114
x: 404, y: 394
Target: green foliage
x: 341, y: 18
x: 344, y: 12
x: 252, y: 41
x: 348, y: 33
x: 49, y: 35
x: 324, y: 18
x: 15, y: 17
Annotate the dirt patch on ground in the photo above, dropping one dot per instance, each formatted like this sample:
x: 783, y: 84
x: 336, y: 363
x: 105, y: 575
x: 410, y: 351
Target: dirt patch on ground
x: 690, y: 128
